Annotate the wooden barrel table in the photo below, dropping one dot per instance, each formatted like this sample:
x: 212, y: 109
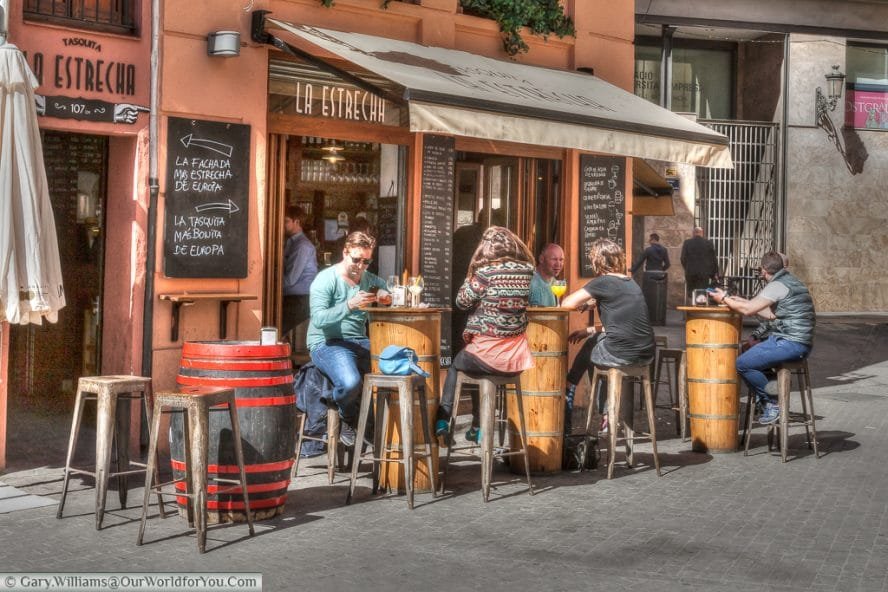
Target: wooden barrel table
x: 262, y: 377
x: 420, y: 330
x: 543, y: 389
x: 712, y: 339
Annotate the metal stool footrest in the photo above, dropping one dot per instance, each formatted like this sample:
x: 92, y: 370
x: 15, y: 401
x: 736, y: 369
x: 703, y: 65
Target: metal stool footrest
x: 488, y: 386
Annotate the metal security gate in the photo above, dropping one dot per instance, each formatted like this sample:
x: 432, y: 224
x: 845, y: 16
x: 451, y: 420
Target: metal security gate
x: 739, y: 208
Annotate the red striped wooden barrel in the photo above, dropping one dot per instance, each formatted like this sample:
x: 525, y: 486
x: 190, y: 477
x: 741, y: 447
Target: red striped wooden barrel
x: 262, y: 377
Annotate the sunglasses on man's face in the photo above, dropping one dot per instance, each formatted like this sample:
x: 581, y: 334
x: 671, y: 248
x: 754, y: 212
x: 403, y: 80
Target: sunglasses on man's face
x: 360, y: 261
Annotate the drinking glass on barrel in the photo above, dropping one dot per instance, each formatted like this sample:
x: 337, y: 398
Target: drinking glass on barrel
x: 558, y: 287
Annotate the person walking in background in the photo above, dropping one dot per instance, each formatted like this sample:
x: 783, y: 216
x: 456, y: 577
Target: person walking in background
x: 300, y: 269
x: 785, y: 301
x: 654, y: 258
x: 549, y: 267
x: 496, y: 291
x: 699, y: 261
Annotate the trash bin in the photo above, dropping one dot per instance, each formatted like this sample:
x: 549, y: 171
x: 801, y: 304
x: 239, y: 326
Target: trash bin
x: 653, y: 286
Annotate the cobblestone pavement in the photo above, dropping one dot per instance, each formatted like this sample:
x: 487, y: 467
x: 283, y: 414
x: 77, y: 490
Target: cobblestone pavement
x: 710, y: 523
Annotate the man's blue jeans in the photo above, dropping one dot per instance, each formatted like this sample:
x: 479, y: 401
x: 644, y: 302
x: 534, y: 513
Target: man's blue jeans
x: 769, y: 353
x: 345, y: 362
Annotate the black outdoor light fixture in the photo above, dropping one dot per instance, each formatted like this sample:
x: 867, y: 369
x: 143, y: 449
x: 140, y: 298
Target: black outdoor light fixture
x: 823, y: 105
x: 835, y: 80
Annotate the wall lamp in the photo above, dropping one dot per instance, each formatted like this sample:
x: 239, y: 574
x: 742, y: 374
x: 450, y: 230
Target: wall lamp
x: 835, y: 81
x: 823, y: 105
x: 223, y: 44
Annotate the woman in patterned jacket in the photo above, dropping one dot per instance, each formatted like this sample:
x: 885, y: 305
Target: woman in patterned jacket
x: 495, y: 293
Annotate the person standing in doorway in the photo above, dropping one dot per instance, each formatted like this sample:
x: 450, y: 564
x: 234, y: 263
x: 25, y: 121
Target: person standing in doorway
x: 300, y: 269
x: 549, y: 266
x: 699, y: 262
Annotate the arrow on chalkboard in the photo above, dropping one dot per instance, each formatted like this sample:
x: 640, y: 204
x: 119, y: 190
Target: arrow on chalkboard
x: 230, y: 206
x: 189, y: 141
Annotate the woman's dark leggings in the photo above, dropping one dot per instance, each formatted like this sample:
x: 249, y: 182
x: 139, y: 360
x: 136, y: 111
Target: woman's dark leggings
x: 474, y: 367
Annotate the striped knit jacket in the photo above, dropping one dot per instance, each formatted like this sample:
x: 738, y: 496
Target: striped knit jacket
x: 497, y: 295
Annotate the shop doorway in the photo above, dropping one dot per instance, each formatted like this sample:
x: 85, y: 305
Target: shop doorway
x: 341, y: 185
x: 47, y: 360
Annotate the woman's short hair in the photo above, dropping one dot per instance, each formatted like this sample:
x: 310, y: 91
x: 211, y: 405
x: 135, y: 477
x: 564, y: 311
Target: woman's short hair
x: 772, y: 262
x: 359, y: 239
x: 606, y: 256
x: 498, y: 245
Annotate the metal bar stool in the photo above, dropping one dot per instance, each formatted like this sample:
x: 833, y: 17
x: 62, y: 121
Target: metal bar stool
x: 487, y: 386
x: 335, y: 453
x: 112, y: 426
x: 196, y: 401
x: 787, y: 419
x: 671, y: 359
x: 408, y: 388
x: 615, y: 378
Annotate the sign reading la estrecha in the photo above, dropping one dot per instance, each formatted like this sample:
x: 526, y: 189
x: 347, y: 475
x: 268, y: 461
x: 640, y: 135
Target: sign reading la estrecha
x: 70, y: 73
x: 338, y: 102
x: 85, y: 74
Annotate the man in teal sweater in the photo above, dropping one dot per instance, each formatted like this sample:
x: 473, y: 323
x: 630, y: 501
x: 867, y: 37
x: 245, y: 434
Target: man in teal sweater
x: 550, y: 264
x: 337, y: 333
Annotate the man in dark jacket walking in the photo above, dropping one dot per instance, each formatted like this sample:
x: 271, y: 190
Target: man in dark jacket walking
x: 698, y: 260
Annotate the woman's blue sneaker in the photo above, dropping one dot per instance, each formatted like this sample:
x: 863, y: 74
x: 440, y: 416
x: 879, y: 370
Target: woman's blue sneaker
x: 442, y: 427
x: 474, y: 434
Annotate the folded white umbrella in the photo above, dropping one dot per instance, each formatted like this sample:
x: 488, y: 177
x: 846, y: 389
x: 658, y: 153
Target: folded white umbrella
x: 30, y: 274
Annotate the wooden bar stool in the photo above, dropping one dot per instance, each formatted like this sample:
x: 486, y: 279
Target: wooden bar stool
x: 787, y: 419
x: 615, y: 378
x: 335, y: 454
x: 112, y: 426
x: 196, y: 402
x: 408, y: 389
x: 487, y: 386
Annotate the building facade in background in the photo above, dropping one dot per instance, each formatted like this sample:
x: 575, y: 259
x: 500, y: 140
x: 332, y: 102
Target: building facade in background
x: 751, y: 70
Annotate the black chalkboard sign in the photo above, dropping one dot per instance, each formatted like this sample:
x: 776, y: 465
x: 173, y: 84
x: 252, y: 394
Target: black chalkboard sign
x: 387, y: 225
x: 207, y: 199
x: 436, y: 224
x: 602, y: 203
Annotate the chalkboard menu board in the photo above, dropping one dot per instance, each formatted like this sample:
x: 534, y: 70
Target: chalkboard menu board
x: 207, y: 191
x: 436, y: 228
x: 602, y: 203
x: 387, y: 225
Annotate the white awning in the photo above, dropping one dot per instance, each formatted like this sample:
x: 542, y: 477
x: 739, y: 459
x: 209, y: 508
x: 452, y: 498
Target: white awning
x: 459, y: 93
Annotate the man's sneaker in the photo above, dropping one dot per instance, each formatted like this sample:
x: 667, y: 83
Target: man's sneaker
x: 442, y: 427
x: 771, y: 388
x: 770, y: 414
x: 474, y: 434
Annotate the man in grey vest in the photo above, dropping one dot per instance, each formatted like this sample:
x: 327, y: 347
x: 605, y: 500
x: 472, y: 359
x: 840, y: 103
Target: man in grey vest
x: 786, y: 302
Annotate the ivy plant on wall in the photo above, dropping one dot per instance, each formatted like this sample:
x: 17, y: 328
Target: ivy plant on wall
x: 542, y: 17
